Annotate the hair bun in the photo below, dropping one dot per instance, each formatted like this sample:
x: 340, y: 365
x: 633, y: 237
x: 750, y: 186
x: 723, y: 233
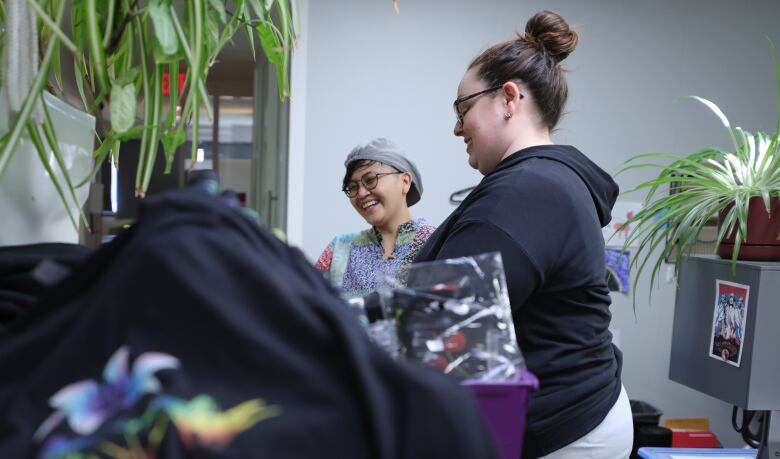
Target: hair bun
x: 550, y: 33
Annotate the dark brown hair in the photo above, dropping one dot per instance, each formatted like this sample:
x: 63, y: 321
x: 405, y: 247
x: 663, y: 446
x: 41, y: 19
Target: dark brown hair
x: 533, y: 58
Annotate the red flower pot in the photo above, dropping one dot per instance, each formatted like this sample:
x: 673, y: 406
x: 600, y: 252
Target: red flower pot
x: 762, y: 243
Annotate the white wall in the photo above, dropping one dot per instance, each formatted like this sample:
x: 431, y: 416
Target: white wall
x: 369, y: 72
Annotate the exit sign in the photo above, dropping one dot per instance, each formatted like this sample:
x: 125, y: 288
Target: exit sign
x: 166, y: 82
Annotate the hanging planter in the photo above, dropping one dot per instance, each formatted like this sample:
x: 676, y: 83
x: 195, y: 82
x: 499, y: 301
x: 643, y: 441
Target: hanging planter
x: 120, y: 50
x: 40, y: 174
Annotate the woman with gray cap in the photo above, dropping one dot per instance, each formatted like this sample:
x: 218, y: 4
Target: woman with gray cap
x: 381, y: 184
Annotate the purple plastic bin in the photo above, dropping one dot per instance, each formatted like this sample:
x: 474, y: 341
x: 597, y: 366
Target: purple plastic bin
x: 503, y: 404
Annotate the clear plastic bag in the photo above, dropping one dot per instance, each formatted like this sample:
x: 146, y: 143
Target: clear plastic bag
x: 455, y: 315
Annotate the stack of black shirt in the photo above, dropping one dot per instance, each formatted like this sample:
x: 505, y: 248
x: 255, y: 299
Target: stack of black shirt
x: 196, y: 333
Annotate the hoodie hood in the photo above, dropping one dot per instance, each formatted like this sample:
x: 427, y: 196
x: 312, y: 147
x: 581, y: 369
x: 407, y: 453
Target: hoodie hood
x: 603, y: 190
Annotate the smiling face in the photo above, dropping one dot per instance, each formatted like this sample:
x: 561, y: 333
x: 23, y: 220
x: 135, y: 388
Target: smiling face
x: 384, y: 206
x: 484, y: 125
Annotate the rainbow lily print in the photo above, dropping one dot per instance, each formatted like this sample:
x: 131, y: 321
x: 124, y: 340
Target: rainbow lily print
x: 94, y: 418
x: 87, y: 404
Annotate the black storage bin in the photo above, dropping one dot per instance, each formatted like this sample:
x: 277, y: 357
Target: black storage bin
x: 644, y: 413
x: 647, y: 432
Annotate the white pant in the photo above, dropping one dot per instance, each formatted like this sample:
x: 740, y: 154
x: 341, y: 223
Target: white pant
x: 612, y: 439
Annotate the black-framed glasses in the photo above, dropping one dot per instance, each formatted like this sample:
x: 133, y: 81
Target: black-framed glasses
x: 459, y: 100
x: 369, y: 181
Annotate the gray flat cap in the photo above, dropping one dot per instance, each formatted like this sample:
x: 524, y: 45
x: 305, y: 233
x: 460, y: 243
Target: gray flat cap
x: 386, y: 152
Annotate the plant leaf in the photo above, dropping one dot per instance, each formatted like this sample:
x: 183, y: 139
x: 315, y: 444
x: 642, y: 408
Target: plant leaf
x: 258, y: 7
x: 163, y: 28
x: 171, y: 141
x: 219, y: 7
x: 32, y: 130
x: 123, y: 107
x: 714, y: 109
x: 270, y: 42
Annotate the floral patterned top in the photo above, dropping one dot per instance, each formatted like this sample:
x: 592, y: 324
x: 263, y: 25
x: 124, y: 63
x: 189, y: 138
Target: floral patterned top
x: 354, y: 262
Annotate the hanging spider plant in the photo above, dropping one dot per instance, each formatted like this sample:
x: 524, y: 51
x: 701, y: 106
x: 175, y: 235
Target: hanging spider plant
x: 707, y: 183
x: 120, y: 50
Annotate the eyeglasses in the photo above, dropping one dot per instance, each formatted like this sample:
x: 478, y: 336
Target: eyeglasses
x: 369, y: 181
x: 459, y: 100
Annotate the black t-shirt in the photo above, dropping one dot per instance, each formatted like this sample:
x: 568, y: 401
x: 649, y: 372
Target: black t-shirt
x: 198, y: 334
x: 543, y: 208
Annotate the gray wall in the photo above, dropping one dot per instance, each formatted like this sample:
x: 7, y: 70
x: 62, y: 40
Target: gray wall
x: 368, y: 72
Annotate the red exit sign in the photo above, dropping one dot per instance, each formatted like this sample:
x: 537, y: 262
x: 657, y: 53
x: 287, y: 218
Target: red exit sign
x: 166, y: 82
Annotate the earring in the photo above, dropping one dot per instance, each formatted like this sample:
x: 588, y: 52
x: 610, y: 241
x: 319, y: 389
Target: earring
x: 507, y: 115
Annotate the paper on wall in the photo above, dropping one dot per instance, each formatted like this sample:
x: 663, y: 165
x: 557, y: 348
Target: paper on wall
x: 621, y: 212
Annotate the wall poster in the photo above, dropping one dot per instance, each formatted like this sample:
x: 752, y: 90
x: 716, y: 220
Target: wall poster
x: 729, y: 318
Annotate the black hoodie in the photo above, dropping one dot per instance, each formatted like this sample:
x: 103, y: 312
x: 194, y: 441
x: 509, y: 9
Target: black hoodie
x: 543, y: 208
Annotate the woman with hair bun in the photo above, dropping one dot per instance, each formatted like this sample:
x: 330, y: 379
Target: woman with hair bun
x: 542, y: 206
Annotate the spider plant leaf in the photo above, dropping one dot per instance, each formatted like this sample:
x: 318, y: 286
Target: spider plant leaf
x: 718, y: 165
x: 154, y: 124
x: 198, y: 83
x: 765, y: 199
x: 110, y: 19
x: 51, y: 139
x: 32, y: 131
x: 20, y: 122
x: 727, y: 225
x: 147, y: 104
x: 638, y: 166
x: 52, y: 27
x: 714, y: 108
x: 259, y: 7
x: 763, y: 145
x: 270, y: 42
x: 717, y: 111
x: 219, y: 7
x: 78, y: 23
x: 211, y: 35
x: 275, y: 52
x: 247, y: 20
x: 123, y: 107
x: 173, y: 94
x: 750, y: 160
x: 738, y: 170
x: 57, y: 68
x: 100, y: 155
x: 95, y: 45
x: 288, y: 35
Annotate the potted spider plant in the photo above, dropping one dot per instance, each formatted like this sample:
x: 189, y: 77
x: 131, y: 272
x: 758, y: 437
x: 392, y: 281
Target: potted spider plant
x: 740, y: 188
x: 121, y: 50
